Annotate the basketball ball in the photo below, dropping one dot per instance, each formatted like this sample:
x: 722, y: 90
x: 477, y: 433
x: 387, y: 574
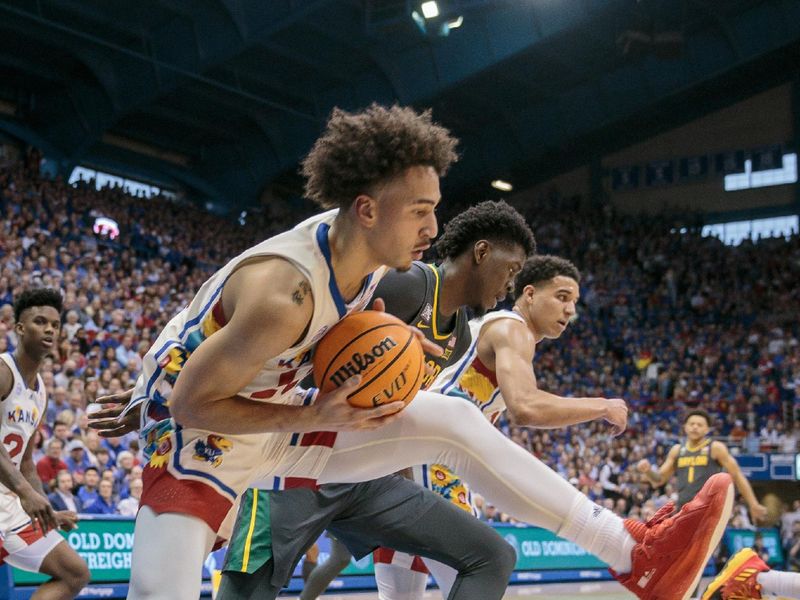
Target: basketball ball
x: 377, y: 346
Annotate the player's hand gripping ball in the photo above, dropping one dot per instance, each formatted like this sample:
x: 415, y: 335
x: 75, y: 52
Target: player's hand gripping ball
x: 378, y: 347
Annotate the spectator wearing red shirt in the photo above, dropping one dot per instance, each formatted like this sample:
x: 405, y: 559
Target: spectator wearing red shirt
x: 51, y: 463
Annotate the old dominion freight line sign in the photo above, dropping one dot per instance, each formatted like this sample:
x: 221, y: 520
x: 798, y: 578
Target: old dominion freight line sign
x: 537, y: 550
x: 105, y: 545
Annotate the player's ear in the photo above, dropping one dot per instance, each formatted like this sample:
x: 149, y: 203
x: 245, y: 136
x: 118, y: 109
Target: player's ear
x: 480, y: 251
x: 365, y: 208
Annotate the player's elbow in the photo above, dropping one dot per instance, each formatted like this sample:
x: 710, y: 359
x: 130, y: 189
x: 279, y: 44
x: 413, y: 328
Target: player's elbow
x: 180, y: 411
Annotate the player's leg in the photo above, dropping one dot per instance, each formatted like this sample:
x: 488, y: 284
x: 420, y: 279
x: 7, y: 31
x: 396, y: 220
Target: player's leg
x: 321, y: 576
x: 399, y: 580
x: 179, y: 541
x: 49, y: 555
x: 68, y: 571
x: 272, y: 532
x: 443, y: 574
x: 191, y: 481
x: 397, y: 513
x: 450, y: 431
x: 671, y: 552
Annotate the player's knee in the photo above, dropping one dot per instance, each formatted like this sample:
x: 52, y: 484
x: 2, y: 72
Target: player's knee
x: 75, y: 575
x: 506, y: 559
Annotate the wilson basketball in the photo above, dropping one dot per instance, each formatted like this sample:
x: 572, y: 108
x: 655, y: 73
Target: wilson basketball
x: 377, y: 346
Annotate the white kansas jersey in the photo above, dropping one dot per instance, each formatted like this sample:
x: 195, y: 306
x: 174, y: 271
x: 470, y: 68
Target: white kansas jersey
x: 470, y: 378
x: 22, y: 411
x: 307, y: 248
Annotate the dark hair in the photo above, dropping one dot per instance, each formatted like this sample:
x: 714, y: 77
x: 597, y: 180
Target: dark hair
x: 543, y: 268
x: 358, y: 150
x: 493, y: 221
x: 698, y: 412
x: 37, y: 297
x: 91, y: 468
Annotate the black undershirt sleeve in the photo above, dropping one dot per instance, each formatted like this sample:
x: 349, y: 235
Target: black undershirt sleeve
x: 403, y: 292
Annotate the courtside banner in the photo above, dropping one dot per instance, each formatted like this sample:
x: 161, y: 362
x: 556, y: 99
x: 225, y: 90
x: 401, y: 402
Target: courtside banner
x: 537, y: 550
x: 105, y: 544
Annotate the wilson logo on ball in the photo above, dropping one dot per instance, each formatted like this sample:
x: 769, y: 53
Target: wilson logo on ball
x: 359, y: 363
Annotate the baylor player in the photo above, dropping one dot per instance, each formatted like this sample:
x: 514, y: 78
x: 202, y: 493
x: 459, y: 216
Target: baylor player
x: 698, y: 459
x: 482, y: 250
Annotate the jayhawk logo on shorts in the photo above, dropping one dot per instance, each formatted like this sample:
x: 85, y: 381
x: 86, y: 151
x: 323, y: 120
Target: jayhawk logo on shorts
x: 212, y: 449
x: 445, y: 483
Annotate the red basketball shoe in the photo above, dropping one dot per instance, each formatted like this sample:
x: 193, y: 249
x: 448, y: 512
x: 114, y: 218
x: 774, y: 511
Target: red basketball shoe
x: 672, y: 551
x: 737, y: 581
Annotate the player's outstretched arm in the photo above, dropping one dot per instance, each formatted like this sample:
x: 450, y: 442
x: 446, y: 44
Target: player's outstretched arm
x: 664, y: 473
x: 513, y: 346
x: 269, y: 307
x: 719, y: 452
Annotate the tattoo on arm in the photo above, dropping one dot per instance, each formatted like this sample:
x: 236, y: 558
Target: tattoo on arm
x: 303, y: 290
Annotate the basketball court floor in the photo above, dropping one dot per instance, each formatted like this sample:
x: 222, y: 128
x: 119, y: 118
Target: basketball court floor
x: 601, y: 590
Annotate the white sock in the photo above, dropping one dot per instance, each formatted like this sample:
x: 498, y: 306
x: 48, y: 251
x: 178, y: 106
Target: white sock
x: 780, y: 583
x: 599, y: 531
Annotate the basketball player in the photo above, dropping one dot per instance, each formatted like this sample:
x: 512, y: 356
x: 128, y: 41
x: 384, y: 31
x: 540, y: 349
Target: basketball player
x: 482, y: 250
x: 747, y: 577
x: 219, y: 384
x: 27, y: 522
x: 697, y: 460
x: 497, y: 374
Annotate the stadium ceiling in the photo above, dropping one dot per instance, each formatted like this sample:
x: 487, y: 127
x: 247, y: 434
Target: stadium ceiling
x: 225, y: 96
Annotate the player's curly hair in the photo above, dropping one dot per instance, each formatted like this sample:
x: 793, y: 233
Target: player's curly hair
x: 493, y: 221
x: 37, y: 297
x: 543, y: 268
x: 358, y: 150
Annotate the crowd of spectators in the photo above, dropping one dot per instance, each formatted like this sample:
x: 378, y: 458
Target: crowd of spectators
x: 668, y: 320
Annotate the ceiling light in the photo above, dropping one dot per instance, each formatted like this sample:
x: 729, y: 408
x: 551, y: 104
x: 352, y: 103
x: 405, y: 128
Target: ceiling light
x: 430, y: 9
x: 455, y: 23
x: 501, y: 185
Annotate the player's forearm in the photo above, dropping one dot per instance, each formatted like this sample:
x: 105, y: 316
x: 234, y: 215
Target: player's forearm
x: 545, y: 410
x: 13, y: 479
x: 744, y: 488
x: 32, y: 477
x: 237, y: 415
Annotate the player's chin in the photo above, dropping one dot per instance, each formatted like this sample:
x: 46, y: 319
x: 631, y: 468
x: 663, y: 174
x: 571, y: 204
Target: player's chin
x: 402, y: 268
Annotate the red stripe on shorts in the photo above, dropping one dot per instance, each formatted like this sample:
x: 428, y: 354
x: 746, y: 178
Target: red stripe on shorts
x: 319, y: 438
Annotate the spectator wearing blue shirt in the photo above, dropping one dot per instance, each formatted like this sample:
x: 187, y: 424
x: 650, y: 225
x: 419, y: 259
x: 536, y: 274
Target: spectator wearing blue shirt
x: 105, y: 504
x: 88, y: 491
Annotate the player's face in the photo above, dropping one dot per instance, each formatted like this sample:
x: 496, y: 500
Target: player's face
x: 696, y: 428
x: 496, y: 271
x: 552, y: 306
x: 400, y: 219
x: 38, y: 329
